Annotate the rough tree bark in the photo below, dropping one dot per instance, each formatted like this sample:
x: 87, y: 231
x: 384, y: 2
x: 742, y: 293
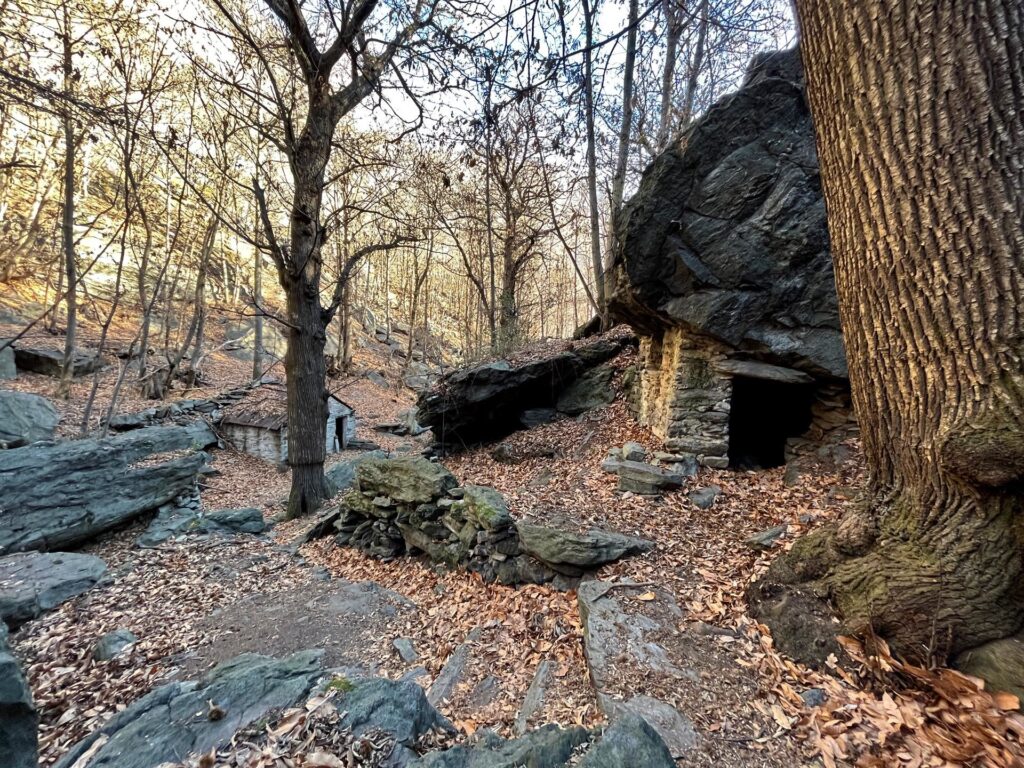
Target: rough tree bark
x: 919, y: 112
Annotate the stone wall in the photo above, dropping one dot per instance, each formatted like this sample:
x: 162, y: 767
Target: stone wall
x: 683, y: 392
x: 682, y: 397
x: 832, y: 422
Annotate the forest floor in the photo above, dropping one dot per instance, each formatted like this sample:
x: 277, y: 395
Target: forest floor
x: 195, y: 601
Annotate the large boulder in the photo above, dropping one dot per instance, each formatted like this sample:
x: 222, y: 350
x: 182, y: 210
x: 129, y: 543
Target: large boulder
x: 183, y: 718
x: 25, y: 419
x: 58, y: 495
x: 727, y: 236
x: 19, y: 720
x: 32, y: 583
x: 50, y: 362
x: 486, y: 402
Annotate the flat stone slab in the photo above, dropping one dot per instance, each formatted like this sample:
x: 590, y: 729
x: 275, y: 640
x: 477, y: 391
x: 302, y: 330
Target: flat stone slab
x: 32, y: 583
x: 592, y: 549
x: 183, y: 718
x: 646, y: 479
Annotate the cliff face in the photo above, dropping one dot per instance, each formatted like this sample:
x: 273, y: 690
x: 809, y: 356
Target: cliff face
x: 724, y: 271
x: 726, y: 237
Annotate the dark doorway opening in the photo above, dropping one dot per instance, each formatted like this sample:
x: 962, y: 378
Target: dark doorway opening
x: 763, y: 415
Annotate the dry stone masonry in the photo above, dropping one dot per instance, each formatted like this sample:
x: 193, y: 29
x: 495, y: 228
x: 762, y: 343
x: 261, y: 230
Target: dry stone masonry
x: 724, y: 270
x: 409, y: 505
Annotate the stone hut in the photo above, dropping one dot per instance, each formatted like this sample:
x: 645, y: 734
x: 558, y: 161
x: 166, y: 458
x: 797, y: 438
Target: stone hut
x: 258, y: 424
x: 724, y: 271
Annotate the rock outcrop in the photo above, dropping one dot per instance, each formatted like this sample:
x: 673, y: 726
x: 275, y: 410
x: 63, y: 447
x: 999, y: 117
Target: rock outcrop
x: 25, y: 419
x: 183, y: 718
x: 724, y: 270
x: 55, y: 495
x: 19, y: 742
x: 728, y: 236
x: 486, y: 402
x: 32, y: 583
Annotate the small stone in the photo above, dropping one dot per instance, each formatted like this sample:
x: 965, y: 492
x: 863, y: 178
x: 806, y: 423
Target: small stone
x: 715, y: 462
x: 113, y: 644
x: 704, y: 498
x: 763, y: 541
x: 406, y: 650
x: 813, y: 697
x: 633, y: 452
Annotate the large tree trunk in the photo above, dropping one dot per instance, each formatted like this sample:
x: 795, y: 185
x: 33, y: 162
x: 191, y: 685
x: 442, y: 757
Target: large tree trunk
x: 306, y: 372
x: 919, y: 111
x: 304, y: 363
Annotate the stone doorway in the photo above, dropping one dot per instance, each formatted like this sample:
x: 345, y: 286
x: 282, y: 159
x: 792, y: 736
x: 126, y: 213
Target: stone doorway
x: 763, y: 415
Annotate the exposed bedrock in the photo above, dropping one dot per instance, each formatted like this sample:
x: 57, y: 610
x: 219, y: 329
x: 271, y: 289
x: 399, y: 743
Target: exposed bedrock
x: 57, y: 495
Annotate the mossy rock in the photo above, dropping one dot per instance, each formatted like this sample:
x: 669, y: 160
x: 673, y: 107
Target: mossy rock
x: 999, y: 663
x: 405, y: 479
x: 484, y: 507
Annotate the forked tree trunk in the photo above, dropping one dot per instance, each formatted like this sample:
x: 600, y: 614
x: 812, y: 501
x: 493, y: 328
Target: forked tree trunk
x: 919, y: 112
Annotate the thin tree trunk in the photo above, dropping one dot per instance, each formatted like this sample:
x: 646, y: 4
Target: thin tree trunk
x: 696, y: 64
x: 68, y: 219
x: 919, y: 112
x: 673, y: 31
x: 626, y: 126
x: 595, y: 225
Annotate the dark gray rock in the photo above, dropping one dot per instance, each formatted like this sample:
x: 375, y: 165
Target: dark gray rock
x: 580, y: 550
x: 634, y: 452
x: 246, y: 520
x: 535, y: 417
x: 629, y: 741
x: 534, y: 698
x: 484, y: 402
x: 18, y: 717
x: 814, y: 697
x: 591, y: 390
x: 453, y: 670
x: 50, y: 362
x: 643, y: 478
x: 32, y: 583
x: 25, y: 419
x: 59, y: 495
x: 406, y: 650
x: 171, y: 521
x: 177, y: 719
x: 727, y: 233
x: 113, y: 644
x: 765, y: 540
x: 704, y: 498
x: 393, y: 706
x: 8, y: 370
x: 546, y: 747
x: 674, y: 728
